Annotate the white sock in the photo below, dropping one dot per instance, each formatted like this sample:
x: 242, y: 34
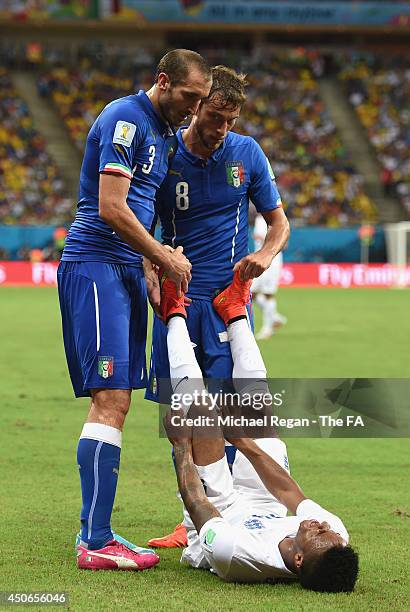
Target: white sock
x: 102, y: 433
x: 186, y: 375
x: 247, y: 359
x: 260, y: 299
x: 269, y: 310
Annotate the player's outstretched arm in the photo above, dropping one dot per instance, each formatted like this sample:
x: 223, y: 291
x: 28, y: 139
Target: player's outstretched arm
x: 255, y: 264
x: 114, y: 211
x: 273, y: 476
x: 190, y: 486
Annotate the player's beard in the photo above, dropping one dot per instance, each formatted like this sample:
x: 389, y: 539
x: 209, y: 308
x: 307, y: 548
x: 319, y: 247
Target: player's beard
x: 167, y: 109
x: 211, y: 147
x: 166, y: 112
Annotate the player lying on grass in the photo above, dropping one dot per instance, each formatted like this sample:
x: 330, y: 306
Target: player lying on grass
x: 237, y: 523
x: 242, y: 531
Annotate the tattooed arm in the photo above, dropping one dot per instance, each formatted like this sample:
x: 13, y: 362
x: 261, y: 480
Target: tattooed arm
x: 190, y: 486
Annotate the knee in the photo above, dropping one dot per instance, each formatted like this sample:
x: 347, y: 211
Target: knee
x: 110, y: 406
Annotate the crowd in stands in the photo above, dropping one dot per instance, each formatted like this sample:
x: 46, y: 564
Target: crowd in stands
x: 379, y: 89
x: 31, y: 188
x: 284, y: 113
x: 81, y: 94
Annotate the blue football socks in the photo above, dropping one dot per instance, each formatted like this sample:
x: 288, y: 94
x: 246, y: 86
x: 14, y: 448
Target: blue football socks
x: 99, y: 463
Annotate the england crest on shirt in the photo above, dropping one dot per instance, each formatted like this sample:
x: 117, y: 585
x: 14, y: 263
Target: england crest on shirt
x: 235, y: 173
x: 253, y: 523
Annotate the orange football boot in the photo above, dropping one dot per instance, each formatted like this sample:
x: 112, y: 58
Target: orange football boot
x: 231, y: 302
x: 171, y: 304
x: 176, y: 539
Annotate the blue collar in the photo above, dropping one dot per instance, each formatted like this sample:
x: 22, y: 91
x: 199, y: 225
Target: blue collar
x: 194, y: 160
x: 148, y: 107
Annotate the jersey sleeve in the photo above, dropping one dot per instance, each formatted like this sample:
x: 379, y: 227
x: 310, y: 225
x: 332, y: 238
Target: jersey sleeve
x: 263, y: 190
x: 309, y: 509
x: 217, y: 539
x: 120, y: 135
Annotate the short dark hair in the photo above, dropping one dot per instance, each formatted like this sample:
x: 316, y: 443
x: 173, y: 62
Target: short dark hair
x: 334, y: 571
x: 177, y: 64
x: 229, y: 85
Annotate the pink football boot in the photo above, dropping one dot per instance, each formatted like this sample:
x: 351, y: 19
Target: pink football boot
x: 115, y: 556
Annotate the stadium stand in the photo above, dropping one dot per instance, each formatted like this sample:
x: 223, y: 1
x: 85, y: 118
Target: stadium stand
x: 379, y: 89
x: 284, y: 113
x: 31, y: 188
x: 80, y: 94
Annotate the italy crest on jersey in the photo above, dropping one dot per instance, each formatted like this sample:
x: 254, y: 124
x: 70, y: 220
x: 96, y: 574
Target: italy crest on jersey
x: 235, y: 173
x: 105, y: 366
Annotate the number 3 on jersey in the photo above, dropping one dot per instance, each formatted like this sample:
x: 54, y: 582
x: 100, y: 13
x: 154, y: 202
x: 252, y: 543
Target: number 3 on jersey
x: 181, y: 193
x: 146, y: 168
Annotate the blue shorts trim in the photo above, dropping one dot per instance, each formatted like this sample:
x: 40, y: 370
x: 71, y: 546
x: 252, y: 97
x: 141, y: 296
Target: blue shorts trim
x: 104, y: 319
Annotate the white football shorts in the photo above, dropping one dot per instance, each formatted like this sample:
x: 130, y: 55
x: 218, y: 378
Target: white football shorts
x: 268, y: 282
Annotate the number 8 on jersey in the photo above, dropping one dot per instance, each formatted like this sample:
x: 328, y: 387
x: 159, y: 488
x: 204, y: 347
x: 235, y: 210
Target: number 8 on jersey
x: 182, y: 198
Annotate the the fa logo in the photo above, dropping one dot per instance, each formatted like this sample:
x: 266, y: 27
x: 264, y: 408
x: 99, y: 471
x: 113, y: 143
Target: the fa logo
x: 253, y: 523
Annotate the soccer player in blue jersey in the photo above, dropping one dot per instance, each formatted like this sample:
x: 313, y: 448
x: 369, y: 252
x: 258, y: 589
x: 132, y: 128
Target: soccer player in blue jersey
x: 102, y: 288
x: 203, y: 206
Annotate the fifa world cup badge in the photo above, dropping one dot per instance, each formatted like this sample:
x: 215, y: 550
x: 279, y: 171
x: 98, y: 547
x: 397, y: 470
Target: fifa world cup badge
x: 235, y: 173
x: 105, y: 366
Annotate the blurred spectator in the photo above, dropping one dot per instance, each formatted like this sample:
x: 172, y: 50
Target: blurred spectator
x: 4, y: 254
x: 59, y: 237
x: 36, y: 255
x: 51, y: 252
x: 23, y: 254
x: 34, y: 53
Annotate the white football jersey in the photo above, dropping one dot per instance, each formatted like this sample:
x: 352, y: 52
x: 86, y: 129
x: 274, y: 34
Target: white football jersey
x: 268, y: 282
x: 245, y: 547
x: 259, y: 232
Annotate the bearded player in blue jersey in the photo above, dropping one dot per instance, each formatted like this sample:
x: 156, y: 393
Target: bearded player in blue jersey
x: 102, y: 288
x: 203, y: 206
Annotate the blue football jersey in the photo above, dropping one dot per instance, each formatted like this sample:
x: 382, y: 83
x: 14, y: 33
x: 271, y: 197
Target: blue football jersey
x: 203, y: 206
x: 127, y: 138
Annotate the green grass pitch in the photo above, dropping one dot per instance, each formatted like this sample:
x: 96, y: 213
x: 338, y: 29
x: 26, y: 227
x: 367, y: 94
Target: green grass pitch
x: 330, y: 333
